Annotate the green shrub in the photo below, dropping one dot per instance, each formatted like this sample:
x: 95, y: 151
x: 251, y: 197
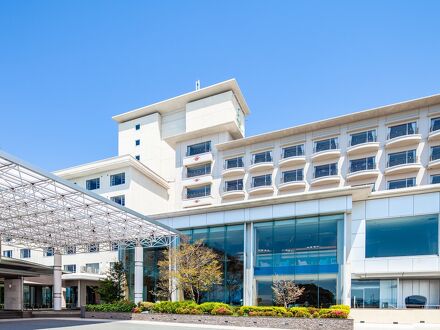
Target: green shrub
x: 192, y: 310
x: 335, y: 314
x: 120, y: 307
x: 264, y: 311
x: 222, y: 310
x: 207, y: 307
x: 300, y: 312
x: 170, y: 307
x: 342, y: 307
x: 145, y: 306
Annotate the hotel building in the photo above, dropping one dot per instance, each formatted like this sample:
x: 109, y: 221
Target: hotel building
x: 347, y: 207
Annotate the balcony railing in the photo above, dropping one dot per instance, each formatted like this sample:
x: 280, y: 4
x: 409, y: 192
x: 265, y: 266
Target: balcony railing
x: 233, y: 163
x: 294, y: 151
x: 363, y: 137
x: 325, y: 170
x: 90, y: 270
x: 435, y: 124
x: 402, y: 158
x: 261, y: 181
x: 293, y: 176
x: 402, y: 130
x: 199, y: 148
x: 265, y: 157
x: 330, y: 144
x: 233, y: 186
x: 192, y: 193
x: 362, y: 165
x: 198, y: 171
x: 435, y: 153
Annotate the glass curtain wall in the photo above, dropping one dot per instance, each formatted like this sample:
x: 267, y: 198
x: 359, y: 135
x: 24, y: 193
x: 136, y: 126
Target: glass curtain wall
x: 304, y: 250
x: 151, y: 271
x: 228, y: 242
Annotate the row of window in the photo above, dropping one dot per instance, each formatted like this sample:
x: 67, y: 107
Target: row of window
x: 91, y: 268
x: 291, y: 176
x: 115, y: 180
x: 24, y: 253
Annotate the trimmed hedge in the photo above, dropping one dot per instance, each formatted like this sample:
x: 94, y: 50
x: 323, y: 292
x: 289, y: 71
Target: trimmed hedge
x: 120, y: 307
x: 215, y: 308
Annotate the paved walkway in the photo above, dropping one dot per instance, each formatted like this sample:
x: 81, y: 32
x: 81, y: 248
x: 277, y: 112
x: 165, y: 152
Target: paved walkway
x: 81, y: 324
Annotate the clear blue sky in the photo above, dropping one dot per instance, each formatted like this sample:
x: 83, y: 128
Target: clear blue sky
x: 67, y: 66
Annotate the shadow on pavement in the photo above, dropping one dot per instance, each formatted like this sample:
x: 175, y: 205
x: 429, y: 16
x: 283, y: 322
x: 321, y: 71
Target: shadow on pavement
x: 35, y: 324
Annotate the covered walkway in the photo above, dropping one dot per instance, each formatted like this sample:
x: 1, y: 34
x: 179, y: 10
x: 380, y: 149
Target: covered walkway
x: 39, y: 210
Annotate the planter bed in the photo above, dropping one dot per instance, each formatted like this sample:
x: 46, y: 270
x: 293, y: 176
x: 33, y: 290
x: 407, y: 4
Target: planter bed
x: 241, y: 321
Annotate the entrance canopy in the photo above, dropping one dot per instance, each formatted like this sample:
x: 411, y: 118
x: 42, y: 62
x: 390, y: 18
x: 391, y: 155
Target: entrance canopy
x: 42, y: 211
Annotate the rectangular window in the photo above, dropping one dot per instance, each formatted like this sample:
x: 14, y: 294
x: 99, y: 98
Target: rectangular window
x: 262, y: 157
x: 435, y: 152
x: 118, y: 199
x: 7, y: 253
x: 71, y: 250
x: 138, y: 127
x: 234, y: 185
x: 363, y: 137
x: 328, y: 144
x: 137, y: 157
x: 94, y: 247
x: 138, y: 142
x: 435, y: 124
x: 408, y: 236
x: 374, y: 293
x: 93, y: 184
x: 400, y: 158
x: 402, y: 130
x: 92, y: 268
x: 291, y: 176
x: 202, y: 191
x: 115, y: 246
x: 262, y: 180
x: 117, y: 179
x: 198, y: 170
x: 435, y: 179
x: 326, y: 170
x: 402, y: 183
x: 25, y: 253
x: 362, y: 164
x: 70, y: 268
x: 234, y: 162
x: 48, y: 252
x: 293, y: 151
x: 199, y: 148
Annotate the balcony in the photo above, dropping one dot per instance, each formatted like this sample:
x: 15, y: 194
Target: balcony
x: 434, y: 135
x: 363, y: 148
x: 404, y: 140
x: 261, y: 190
x: 197, y: 180
x: 261, y: 161
x: 403, y: 135
x: 362, y: 174
x: 326, y: 180
x: 403, y: 168
x: 230, y: 194
x: 291, y: 185
x: 434, y: 159
x: 198, y: 159
x: 294, y: 160
x: 199, y: 201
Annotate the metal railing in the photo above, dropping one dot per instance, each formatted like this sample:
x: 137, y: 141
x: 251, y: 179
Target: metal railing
x: 402, y: 130
x: 265, y: 157
x: 320, y: 146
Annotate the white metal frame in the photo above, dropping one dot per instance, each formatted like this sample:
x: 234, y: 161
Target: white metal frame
x: 40, y: 210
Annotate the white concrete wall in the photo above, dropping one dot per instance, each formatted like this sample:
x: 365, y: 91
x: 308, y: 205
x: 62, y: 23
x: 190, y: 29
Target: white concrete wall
x: 391, y: 207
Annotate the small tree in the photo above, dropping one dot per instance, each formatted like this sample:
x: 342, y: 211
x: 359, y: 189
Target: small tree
x: 111, y: 288
x: 165, y: 287
x: 285, y: 292
x: 193, y: 268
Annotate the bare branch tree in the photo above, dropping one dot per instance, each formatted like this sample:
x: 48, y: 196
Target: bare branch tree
x: 285, y: 292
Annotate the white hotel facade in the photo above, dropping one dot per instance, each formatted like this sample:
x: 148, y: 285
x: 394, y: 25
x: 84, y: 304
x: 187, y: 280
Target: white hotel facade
x: 347, y: 207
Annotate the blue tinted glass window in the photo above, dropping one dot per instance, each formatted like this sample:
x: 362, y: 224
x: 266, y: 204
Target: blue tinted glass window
x: 399, y: 158
x: 234, y: 162
x: 25, y: 253
x: 401, y: 130
x: 402, y: 183
x: 7, y: 253
x: 328, y: 144
x: 435, y: 152
x: 402, y: 236
x: 435, y: 124
x: 363, y: 137
x: 70, y: 268
x: 362, y: 164
x: 291, y: 176
x: 262, y: 180
x: 198, y: 148
x: 93, y: 184
x: 138, y: 127
x: 117, y: 179
x: 137, y: 157
x: 234, y: 185
x: 138, y: 142
x: 262, y: 157
x: 118, y: 199
x: 198, y: 192
x: 435, y: 179
x: 198, y: 170
x: 326, y: 170
x: 293, y: 151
